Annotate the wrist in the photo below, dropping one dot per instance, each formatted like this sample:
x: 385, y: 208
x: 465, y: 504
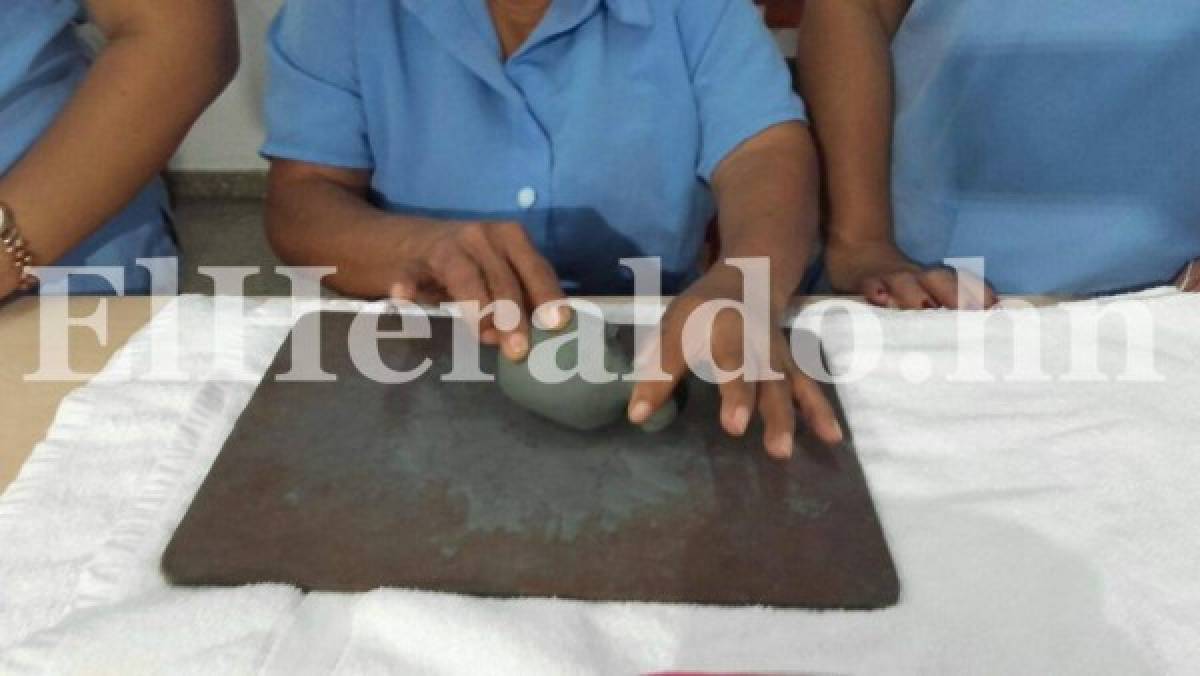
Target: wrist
x: 844, y: 236
x: 854, y: 250
x: 783, y: 283
x: 865, y: 216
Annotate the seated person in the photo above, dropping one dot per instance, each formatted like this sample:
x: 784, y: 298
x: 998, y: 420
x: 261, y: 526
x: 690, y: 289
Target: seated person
x: 476, y: 150
x: 81, y: 142
x: 1057, y: 140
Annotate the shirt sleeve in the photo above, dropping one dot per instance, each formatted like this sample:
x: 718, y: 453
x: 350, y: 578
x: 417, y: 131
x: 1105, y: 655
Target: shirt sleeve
x: 741, y: 80
x: 314, y: 107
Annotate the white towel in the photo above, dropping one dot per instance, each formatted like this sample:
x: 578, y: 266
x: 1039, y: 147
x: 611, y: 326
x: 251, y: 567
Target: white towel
x: 1037, y: 527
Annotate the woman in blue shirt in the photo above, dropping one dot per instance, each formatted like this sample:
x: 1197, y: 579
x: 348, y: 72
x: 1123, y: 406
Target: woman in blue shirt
x: 1056, y: 140
x: 81, y: 140
x: 482, y: 150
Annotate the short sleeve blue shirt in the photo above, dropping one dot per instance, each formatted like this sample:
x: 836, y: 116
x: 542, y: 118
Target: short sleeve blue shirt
x: 1058, y: 139
x: 42, y: 62
x: 599, y: 135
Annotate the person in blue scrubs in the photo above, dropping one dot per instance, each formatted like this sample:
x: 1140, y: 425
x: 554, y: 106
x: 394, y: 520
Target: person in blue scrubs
x: 1056, y: 140
x: 482, y: 150
x: 83, y: 138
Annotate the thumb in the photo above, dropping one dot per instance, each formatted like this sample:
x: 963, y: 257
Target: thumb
x: 407, y: 283
x: 875, y: 291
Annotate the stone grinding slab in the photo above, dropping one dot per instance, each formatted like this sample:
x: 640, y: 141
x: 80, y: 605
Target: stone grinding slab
x: 353, y: 485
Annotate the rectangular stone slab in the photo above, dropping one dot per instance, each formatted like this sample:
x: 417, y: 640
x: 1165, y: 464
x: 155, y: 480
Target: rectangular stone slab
x: 354, y: 485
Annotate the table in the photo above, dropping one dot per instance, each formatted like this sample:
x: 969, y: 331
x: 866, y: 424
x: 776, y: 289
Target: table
x: 29, y: 407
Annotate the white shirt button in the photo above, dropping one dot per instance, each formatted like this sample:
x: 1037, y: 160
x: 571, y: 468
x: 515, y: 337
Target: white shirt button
x: 527, y: 197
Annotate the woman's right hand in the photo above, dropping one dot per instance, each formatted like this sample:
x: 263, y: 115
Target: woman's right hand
x: 484, y: 263
x: 376, y: 253
x: 882, y: 274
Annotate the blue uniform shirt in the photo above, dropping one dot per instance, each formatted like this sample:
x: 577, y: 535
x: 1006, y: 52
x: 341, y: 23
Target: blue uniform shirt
x: 42, y: 62
x: 599, y: 135
x: 1059, y: 139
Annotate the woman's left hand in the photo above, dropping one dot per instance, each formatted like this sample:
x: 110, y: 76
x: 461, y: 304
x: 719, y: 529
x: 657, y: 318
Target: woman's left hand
x: 720, y: 345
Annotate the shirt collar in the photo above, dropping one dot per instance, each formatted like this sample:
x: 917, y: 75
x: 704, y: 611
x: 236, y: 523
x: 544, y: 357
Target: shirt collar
x: 565, y: 16
x: 456, y: 30
x: 632, y: 12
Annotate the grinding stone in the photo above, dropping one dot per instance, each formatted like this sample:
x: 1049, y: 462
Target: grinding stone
x: 576, y: 402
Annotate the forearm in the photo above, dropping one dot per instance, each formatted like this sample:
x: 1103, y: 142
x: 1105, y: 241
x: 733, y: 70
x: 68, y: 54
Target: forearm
x: 768, y: 206
x: 846, y: 70
x: 138, y: 101
x: 315, y: 221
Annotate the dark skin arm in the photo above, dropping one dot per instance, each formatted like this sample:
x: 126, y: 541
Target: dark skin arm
x: 163, y: 64
x: 847, y: 72
x: 379, y: 254
x: 766, y: 194
x: 766, y: 198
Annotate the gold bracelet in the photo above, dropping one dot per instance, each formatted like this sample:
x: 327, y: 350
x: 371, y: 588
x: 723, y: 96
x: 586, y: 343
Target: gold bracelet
x: 14, y: 245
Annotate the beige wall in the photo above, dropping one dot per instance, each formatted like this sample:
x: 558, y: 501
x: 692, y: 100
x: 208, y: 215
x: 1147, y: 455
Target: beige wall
x: 227, y: 137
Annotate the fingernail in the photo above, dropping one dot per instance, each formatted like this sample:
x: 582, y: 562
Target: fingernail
x: 640, y: 412
x: 928, y: 304
x: 562, y: 316
x: 740, y: 420
x: 839, y: 432
x: 518, y: 345
x: 548, y: 317
x: 781, y: 446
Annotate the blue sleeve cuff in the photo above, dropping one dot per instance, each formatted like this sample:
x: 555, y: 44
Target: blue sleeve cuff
x: 313, y: 109
x: 285, y: 151
x: 720, y: 144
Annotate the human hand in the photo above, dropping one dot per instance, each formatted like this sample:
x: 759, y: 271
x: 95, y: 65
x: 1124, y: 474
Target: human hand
x: 1189, y: 279
x: 724, y: 348
x: 484, y: 263
x: 887, y: 278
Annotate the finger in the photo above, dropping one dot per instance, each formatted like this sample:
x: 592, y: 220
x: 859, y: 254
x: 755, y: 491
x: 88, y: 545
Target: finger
x: 990, y: 298
x: 412, y: 283
x: 817, y: 412
x: 976, y: 294
x: 876, y: 292
x: 537, y: 276
x: 460, y: 275
x: 406, y: 284
x: 504, y: 287
x: 942, y: 285
x: 649, y: 395
x: 779, y: 419
x: 908, y: 293
x: 737, y: 405
x: 737, y: 395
